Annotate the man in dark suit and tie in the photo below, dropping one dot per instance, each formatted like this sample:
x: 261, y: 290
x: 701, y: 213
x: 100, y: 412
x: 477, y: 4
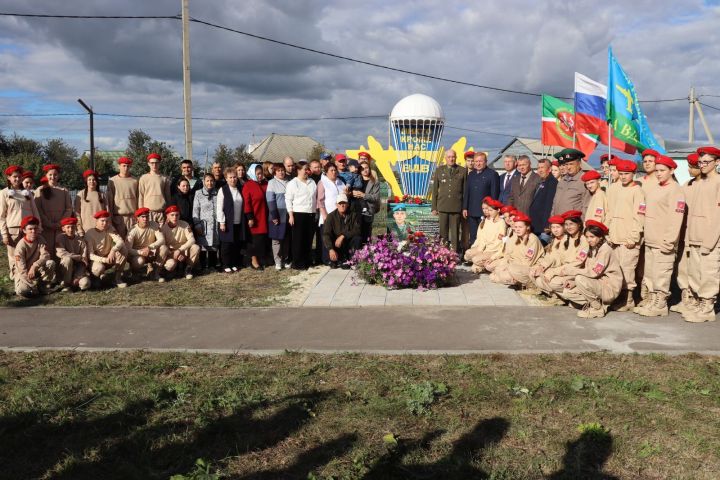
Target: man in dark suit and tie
x: 523, y: 186
x: 509, y: 162
x: 481, y: 182
x: 541, y: 205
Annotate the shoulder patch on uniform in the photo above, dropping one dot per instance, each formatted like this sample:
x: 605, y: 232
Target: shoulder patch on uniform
x: 599, y: 211
x: 641, y: 209
x: 582, y: 254
x: 599, y: 267
x: 680, y: 206
x: 530, y: 252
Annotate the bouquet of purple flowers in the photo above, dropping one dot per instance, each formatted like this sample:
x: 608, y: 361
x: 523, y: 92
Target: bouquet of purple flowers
x: 414, y: 262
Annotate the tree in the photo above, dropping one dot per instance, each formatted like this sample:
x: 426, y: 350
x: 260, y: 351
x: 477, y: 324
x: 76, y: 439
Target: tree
x: 57, y: 151
x: 140, y: 145
x: 315, y: 152
x: 242, y: 155
x: 104, y: 166
x: 223, y: 155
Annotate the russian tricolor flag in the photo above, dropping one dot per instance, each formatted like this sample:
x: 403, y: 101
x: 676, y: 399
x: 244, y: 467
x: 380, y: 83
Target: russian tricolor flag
x: 590, y: 115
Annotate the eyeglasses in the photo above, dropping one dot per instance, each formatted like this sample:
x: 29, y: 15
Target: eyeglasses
x: 705, y: 162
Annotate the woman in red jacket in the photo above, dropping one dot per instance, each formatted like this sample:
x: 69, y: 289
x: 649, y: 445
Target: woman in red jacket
x: 256, y: 211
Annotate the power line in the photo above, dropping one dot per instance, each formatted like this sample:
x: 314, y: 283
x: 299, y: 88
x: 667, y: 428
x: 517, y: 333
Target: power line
x: 311, y: 50
x: 483, y: 132
x: 709, y: 106
x: 214, y: 119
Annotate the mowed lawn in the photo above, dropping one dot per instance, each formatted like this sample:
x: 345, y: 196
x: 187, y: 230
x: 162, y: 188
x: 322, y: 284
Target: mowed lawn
x: 247, y: 288
x: 152, y: 416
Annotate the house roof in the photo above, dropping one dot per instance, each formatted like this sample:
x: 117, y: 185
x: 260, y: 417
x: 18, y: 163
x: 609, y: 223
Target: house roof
x: 533, y: 148
x: 276, y: 147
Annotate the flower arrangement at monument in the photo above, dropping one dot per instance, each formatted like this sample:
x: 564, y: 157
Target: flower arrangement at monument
x: 416, y: 261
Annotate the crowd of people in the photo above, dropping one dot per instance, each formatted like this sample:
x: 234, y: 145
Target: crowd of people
x: 590, y: 239
x: 290, y: 214
x: 593, y: 240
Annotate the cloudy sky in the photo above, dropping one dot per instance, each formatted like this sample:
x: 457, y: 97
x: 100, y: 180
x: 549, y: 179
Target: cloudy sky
x: 135, y: 66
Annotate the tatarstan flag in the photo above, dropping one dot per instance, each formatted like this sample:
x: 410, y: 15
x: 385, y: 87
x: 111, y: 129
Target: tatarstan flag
x: 558, y: 127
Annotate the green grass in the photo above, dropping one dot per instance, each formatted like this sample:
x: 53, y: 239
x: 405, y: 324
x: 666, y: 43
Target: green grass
x: 247, y: 288
x: 151, y: 416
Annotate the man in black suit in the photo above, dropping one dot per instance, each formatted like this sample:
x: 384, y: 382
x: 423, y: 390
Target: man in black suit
x: 523, y: 186
x: 481, y: 182
x: 509, y: 162
x: 542, y: 202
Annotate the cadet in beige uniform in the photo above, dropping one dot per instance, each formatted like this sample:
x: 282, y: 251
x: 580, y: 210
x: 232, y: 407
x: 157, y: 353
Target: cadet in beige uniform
x: 488, y: 239
x: 106, y: 249
x: 72, y: 254
x: 703, y: 234
x: 146, y: 246
x: 570, y: 249
x: 14, y: 206
x: 682, y: 262
x: 664, y: 216
x: 521, y: 253
x: 447, y: 198
x: 53, y: 204
x: 599, y: 280
x: 122, y: 197
x: 595, y: 204
x: 154, y: 190
x: 88, y: 202
x: 626, y: 219
x: 34, y: 268
x: 647, y: 182
x: 180, y: 242
x: 571, y: 192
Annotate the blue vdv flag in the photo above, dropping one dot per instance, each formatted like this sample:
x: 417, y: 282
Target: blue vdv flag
x: 623, y: 109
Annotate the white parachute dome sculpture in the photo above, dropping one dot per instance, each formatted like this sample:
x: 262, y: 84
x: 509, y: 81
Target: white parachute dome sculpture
x: 416, y: 127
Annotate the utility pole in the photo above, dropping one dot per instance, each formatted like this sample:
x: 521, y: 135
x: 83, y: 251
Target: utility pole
x: 92, y: 132
x: 186, y: 77
x: 694, y: 102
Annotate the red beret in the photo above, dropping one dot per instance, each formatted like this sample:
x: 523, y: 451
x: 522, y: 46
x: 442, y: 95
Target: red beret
x: 507, y: 209
x: 607, y: 156
x: 28, y: 174
x: 43, y: 179
x: 521, y: 217
x: 12, y: 169
x: 172, y: 209
x: 154, y: 155
x: 340, y: 156
x: 68, y: 221
x: 29, y: 220
x: 125, y: 161
x: 614, y: 161
x: 665, y: 160
x: 626, y: 166
x: 600, y: 225
x: 102, y: 214
x: 556, y: 219
x: 469, y: 154
x: 365, y: 154
x: 709, y: 151
x: 497, y: 204
x: 555, y: 163
x: 142, y: 211
x: 590, y: 175
x: 89, y: 172
x: 51, y: 166
x: 693, y: 159
x: 571, y: 214
x: 650, y: 151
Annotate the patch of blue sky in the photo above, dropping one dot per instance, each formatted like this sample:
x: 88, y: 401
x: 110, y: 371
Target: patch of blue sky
x: 11, y: 93
x: 37, y: 105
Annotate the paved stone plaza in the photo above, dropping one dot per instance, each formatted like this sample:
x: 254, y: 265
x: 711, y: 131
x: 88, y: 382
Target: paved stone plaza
x: 341, y: 288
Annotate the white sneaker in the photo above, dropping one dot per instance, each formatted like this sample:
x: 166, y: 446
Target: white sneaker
x: 278, y: 267
x: 234, y: 269
x: 228, y: 270
x: 288, y: 265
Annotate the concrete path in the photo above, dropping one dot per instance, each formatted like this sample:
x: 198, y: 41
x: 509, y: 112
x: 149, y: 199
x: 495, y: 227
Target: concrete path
x: 426, y: 329
x: 340, y: 288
